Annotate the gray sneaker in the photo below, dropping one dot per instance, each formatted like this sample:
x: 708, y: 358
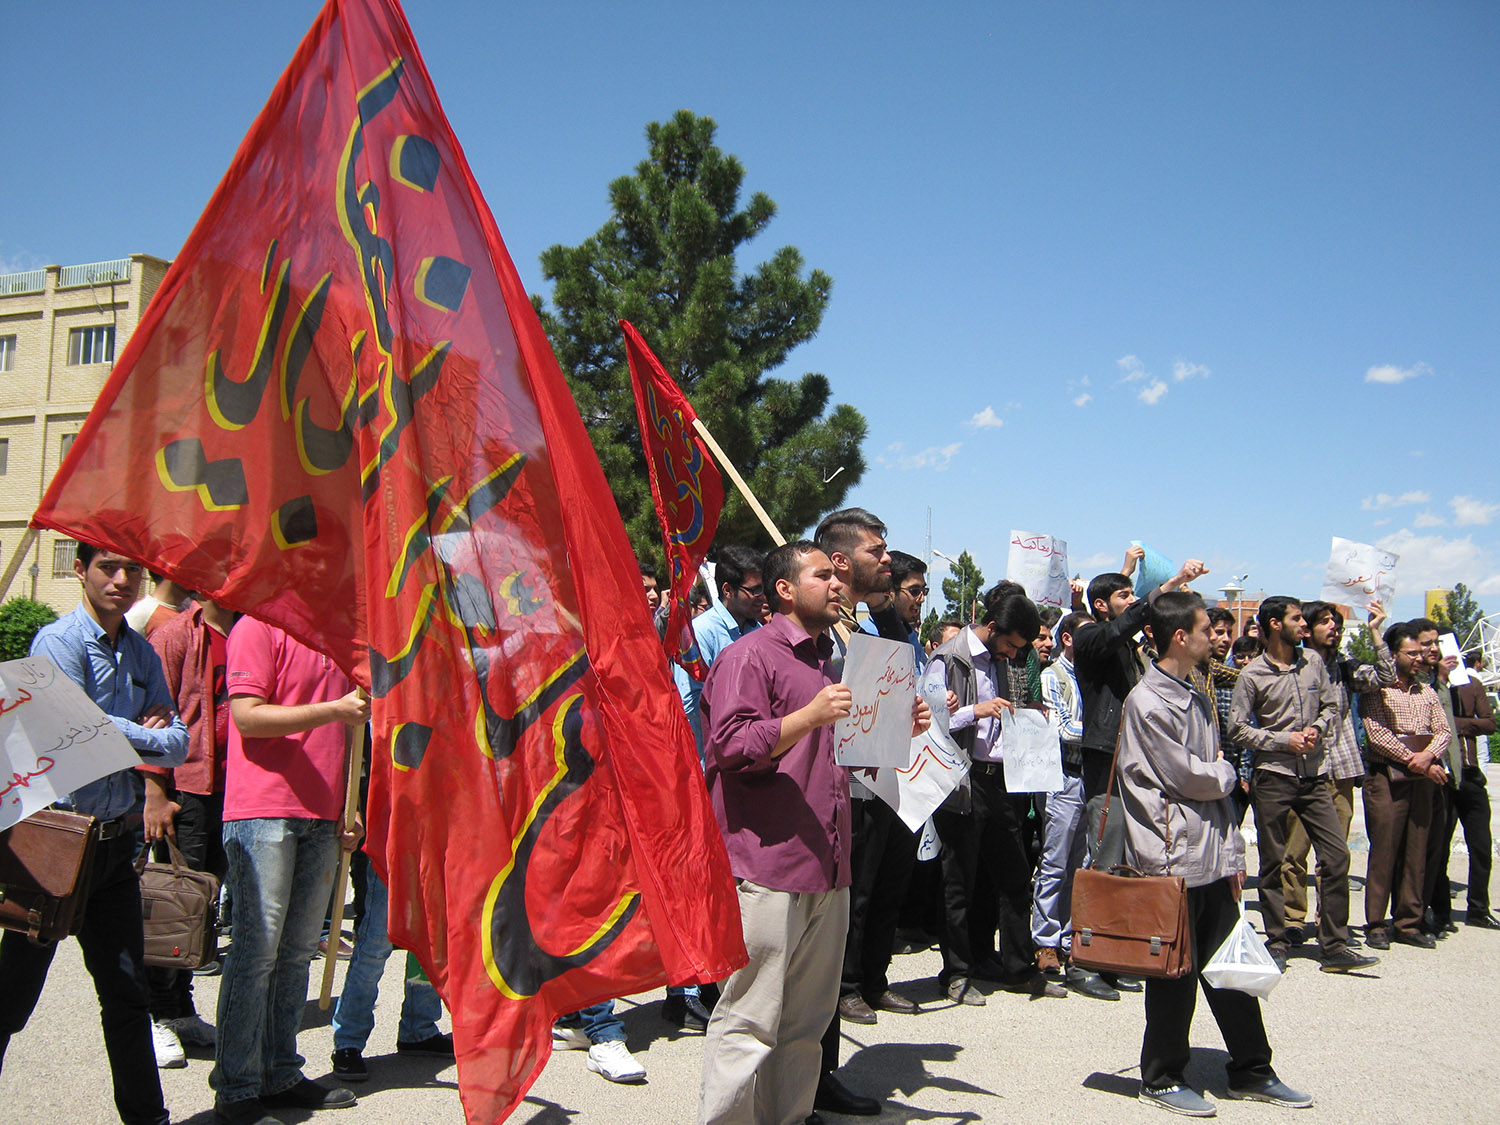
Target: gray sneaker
x: 1272, y: 1090
x: 1179, y: 1099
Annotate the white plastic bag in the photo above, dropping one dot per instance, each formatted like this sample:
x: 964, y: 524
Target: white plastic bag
x: 1243, y: 963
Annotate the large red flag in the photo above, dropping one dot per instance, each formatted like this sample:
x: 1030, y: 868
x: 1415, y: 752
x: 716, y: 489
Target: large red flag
x: 340, y: 413
x: 685, y: 484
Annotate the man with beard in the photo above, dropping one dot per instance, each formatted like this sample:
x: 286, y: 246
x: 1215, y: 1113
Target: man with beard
x: 782, y: 802
x: 1284, y: 708
x: 883, y: 850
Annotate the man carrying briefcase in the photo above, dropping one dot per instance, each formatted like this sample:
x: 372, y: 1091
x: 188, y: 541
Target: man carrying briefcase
x: 120, y: 672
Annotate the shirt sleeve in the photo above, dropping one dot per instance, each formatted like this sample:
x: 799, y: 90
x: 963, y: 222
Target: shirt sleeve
x: 1183, y: 775
x: 1328, y: 702
x: 1069, y: 725
x: 740, y: 732
x: 249, y: 664
x: 1242, y: 728
x: 1376, y: 715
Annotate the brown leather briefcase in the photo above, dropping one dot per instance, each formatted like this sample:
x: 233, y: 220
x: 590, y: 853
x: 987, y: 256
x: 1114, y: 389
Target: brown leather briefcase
x: 179, y: 910
x: 46, y: 869
x: 1131, y: 923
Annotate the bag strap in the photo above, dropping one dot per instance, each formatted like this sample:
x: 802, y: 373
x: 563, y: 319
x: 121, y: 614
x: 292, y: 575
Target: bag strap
x: 178, y: 861
x: 1110, y: 788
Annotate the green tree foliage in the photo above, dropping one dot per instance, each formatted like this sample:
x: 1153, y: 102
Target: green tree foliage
x: 963, y: 589
x: 20, y: 618
x: 665, y: 261
x: 1461, y: 614
x: 1360, y: 644
x: 929, y: 626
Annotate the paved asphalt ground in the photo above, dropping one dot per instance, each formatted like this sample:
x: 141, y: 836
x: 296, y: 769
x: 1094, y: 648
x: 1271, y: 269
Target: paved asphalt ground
x: 1416, y: 1038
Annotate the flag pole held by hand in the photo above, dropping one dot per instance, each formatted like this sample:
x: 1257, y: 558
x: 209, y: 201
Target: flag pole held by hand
x: 341, y: 882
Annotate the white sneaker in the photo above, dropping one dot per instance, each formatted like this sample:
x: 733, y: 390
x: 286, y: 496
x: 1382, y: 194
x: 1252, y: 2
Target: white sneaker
x: 193, y: 1031
x: 613, y: 1061
x: 169, y: 1055
x: 569, y: 1039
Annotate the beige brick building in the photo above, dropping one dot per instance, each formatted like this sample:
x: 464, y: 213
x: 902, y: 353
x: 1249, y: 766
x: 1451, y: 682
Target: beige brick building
x: 60, y: 330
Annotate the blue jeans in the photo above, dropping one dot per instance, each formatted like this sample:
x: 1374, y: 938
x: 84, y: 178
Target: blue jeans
x: 281, y: 877
x: 598, y: 1021
x: 1063, y: 844
x: 354, y: 1016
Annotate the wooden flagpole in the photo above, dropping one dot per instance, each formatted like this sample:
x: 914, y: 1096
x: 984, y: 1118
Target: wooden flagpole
x: 739, y: 481
x: 341, y: 883
x: 15, y: 561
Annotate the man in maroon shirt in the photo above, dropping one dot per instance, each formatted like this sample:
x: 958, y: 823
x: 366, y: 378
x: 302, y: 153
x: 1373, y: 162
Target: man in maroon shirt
x: 782, y: 802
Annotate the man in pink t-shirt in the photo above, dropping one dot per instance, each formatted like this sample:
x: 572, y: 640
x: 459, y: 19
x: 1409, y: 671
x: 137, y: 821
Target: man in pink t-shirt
x: 293, y: 713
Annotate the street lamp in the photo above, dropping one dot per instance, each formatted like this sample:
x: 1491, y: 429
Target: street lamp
x: 1232, y: 591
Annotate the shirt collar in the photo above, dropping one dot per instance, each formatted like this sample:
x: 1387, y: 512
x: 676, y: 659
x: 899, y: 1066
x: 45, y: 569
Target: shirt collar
x: 796, y: 636
x: 1177, y: 692
x: 977, y: 648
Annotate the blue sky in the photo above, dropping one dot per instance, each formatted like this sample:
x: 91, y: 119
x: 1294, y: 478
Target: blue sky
x: 1220, y: 277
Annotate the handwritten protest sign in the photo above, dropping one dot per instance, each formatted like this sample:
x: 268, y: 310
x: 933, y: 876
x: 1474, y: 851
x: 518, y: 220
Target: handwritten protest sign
x: 1357, y: 573
x: 881, y: 675
x: 52, y: 739
x: 1448, y: 645
x: 1040, y: 564
x: 1033, y: 754
x: 1153, y: 569
x: 937, y: 765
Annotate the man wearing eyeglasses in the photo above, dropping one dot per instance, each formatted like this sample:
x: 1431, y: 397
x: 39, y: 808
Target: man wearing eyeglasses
x: 909, y: 594
x: 741, y: 599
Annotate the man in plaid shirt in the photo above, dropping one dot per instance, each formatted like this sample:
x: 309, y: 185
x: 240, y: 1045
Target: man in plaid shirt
x: 1408, y: 734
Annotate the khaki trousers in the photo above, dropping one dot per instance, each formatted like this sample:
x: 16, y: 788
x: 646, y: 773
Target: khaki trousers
x: 1398, y: 817
x: 1294, y: 869
x: 762, y: 1054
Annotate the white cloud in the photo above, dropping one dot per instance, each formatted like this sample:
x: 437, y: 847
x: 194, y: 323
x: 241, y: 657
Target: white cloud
x: 1083, y: 399
x: 1182, y: 370
x: 1382, y: 523
x: 1100, y: 563
x: 935, y: 457
x: 1151, y: 394
x: 1469, y: 512
x: 1383, y: 500
x: 986, y: 419
x: 1390, y: 373
x: 1426, y: 519
x: 1430, y: 562
x: 1489, y: 587
x: 1134, y: 370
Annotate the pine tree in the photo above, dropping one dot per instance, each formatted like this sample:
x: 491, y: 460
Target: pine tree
x: 665, y: 261
x: 929, y: 626
x: 963, y: 589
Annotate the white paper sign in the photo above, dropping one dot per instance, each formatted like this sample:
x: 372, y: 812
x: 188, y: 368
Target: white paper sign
x: 1448, y: 645
x: 936, y: 767
x: 1358, y: 572
x: 1040, y: 564
x: 881, y: 675
x: 53, y: 739
x: 1033, y: 753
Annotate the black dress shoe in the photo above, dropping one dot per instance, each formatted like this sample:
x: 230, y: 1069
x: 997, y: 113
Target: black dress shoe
x: 854, y: 1009
x: 1295, y: 936
x: 1416, y: 937
x: 686, y: 1012
x: 835, y: 1097
x: 1123, y: 983
x: 1089, y: 984
x: 892, y: 1001
x: 1378, y: 938
x: 1485, y: 921
x: 308, y: 1094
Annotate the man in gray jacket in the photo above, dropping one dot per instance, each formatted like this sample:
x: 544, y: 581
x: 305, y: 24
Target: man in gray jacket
x: 1284, y: 709
x: 1175, y: 786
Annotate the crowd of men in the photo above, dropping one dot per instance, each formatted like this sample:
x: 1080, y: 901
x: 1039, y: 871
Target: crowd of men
x: 1171, y: 731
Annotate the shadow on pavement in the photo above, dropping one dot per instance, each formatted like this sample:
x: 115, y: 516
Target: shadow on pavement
x: 885, y: 1070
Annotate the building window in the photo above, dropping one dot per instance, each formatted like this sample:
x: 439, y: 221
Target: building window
x: 64, y: 551
x: 91, y: 345
x: 4, y: 455
x: 67, y: 444
x: 7, y: 352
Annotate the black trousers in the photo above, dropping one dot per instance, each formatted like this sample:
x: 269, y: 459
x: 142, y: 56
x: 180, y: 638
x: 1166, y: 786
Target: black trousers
x: 114, y: 953
x: 200, y: 838
x: 1212, y: 912
x: 986, y: 879
x: 1109, y: 850
x: 881, y: 860
x: 1469, y: 805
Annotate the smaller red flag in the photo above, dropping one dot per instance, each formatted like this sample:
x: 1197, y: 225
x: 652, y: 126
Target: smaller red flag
x: 685, y: 484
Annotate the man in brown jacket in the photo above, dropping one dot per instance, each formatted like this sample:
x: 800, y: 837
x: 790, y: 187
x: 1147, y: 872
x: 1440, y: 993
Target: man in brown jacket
x: 1475, y: 720
x: 1175, y: 787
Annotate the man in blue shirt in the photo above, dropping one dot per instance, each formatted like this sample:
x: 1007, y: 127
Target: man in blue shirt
x: 121, y: 673
x: 742, y: 599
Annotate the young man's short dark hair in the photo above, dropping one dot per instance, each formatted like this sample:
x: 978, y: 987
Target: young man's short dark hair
x: 903, y: 566
x: 648, y: 570
x: 1051, y: 615
x: 1072, y: 623
x: 948, y: 623
x: 1102, y: 588
x: 785, y: 562
x: 1401, y: 632
x: 1170, y: 612
x: 1016, y: 615
x: 1003, y: 589
x: 1424, y: 625
x: 840, y: 531
x: 1217, y: 613
x: 1272, y: 609
x: 735, y: 563
x: 85, y: 553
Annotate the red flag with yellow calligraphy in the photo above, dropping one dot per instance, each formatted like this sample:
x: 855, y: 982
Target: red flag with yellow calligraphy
x: 685, y: 484
x: 341, y: 414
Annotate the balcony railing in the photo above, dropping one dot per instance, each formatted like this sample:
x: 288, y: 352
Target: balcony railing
x: 31, y: 281
x: 93, y: 273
